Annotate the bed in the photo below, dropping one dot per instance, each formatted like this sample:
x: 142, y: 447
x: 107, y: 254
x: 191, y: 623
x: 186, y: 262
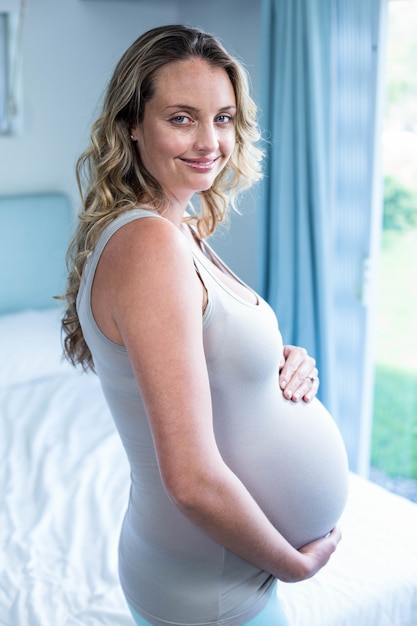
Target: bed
x: 64, y: 476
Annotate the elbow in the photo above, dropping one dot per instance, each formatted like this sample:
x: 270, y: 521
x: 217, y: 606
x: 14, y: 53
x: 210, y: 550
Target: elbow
x: 184, y: 499
x: 183, y: 493
x: 190, y: 491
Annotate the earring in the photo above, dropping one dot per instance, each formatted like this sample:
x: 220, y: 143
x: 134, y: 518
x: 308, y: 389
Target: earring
x: 132, y: 138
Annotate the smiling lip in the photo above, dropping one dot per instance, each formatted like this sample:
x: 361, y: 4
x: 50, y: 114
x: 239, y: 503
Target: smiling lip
x: 203, y: 165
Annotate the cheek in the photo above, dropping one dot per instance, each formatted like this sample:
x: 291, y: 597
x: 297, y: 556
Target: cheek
x: 228, y: 144
x: 150, y: 154
x: 159, y: 148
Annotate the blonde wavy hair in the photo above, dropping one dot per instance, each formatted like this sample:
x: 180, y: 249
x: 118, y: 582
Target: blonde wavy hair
x: 110, y: 175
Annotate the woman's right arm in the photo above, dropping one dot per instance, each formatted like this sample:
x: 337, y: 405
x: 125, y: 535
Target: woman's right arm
x: 147, y: 296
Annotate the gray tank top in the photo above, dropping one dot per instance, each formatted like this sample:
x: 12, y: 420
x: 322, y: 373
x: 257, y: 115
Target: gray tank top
x: 290, y: 457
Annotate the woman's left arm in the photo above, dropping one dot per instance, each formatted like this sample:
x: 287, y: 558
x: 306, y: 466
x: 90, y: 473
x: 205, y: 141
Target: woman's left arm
x: 298, y: 376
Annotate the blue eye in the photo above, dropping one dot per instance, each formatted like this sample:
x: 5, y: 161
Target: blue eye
x: 223, y: 119
x: 179, y: 119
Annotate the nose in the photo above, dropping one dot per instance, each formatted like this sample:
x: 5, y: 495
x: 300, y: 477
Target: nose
x: 206, y: 139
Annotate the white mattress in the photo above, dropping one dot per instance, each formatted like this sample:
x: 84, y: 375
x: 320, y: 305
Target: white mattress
x: 64, y: 485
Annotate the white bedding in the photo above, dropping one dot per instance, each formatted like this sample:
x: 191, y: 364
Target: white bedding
x: 64, y: 485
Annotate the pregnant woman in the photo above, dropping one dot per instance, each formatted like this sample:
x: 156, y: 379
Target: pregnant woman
x: 238, y: 473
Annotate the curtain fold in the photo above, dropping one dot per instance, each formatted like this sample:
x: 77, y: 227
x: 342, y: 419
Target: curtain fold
x: 320, y: 102
x: 296, y: 233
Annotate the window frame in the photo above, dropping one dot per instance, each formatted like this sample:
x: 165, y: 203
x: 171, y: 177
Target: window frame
x: 10, y: 52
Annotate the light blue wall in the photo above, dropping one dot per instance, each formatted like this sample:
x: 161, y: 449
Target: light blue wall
x: 69, y: 50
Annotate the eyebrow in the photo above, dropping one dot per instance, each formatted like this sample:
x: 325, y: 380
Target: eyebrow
x: 188, y: 107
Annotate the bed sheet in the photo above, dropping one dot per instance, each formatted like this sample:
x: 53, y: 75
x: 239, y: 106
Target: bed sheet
x: 64, y: 490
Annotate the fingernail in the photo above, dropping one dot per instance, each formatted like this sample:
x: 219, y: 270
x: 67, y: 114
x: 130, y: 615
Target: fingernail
x: 296, y: 397
x: 283, y: 384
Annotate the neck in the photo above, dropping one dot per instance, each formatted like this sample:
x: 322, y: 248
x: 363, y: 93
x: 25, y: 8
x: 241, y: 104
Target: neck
x: 174, y: 211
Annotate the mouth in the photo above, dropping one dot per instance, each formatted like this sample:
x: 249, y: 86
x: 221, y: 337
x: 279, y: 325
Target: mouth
x: 202, y: 165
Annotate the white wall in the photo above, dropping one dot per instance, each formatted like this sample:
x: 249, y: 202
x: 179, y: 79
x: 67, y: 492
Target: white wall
x: 69, y: 50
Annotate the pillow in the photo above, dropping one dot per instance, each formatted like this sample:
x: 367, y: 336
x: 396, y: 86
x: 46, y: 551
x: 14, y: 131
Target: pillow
x: 30, y: 346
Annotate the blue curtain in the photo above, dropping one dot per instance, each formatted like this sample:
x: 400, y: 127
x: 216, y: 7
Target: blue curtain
x: 320, y: 89
x: 296, y: 230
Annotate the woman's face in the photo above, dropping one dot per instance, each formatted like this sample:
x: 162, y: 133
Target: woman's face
x: 187, y: 134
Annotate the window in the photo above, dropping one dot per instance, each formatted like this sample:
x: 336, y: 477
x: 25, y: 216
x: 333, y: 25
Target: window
x: 394, y: 439
x: 4, y: 75
x: 10, y: 32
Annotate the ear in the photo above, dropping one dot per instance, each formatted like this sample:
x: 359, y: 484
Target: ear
x: 134, y: 133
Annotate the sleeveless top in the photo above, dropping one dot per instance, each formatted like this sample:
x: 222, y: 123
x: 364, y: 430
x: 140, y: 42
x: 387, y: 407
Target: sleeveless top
x: 289, y: 456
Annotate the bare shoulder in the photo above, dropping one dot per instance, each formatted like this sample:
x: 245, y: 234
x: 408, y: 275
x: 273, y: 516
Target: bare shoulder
x: 145, y: 238
x: 144, y: 251
x: 146, y: 266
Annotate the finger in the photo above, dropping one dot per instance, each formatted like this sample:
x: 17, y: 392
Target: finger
x: 294, y: 355
x: 302, y: 381
x: 332, y: 538
x: 307, y: 390
x: 294, y: 359
x: 313, y: 383
x: 336, y: 534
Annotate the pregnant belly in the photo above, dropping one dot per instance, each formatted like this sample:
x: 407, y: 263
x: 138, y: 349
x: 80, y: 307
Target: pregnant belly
x: 294, y: 463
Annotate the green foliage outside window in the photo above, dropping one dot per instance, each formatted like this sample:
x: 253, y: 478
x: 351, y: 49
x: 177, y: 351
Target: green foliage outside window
x: 400, y: 205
